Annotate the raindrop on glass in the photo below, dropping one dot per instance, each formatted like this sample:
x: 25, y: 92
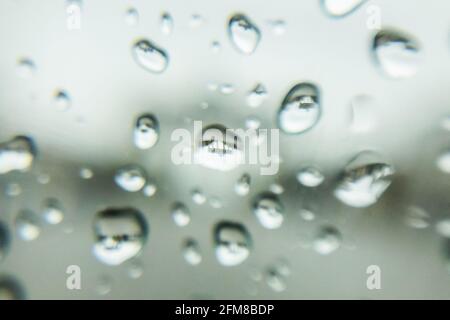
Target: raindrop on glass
x: 310, y: 177
x: 257, y: 96
x: 268, y: 210
x: 132, y: 17
x: 62, y: 100
x: 242, y: 186
x: 130, y: 178
x: 149, y: 56
x: 243, y: 33
x: 27, y: 225
x: 191, y: 252
x: 17, y: 154
x: 327, y: 240
x: 166, y: 23
x: 180, y: 214
x: 146, y: 131
x: 198, y: 196
x: 53, y: 212
x: 26, y: 68
x: 340, y: 8
x: 232, y: 243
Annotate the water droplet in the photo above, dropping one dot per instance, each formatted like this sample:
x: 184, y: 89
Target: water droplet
x: 215, y: 46
x: 310, y: 177
x: 276, y: 188
x: 219, y: 149
x: 328, y: 239
x: 397, y: 54
x: 17, y: 154
x: 276, y: 276
x: 13, y: 189
x: 27, y: 225
x: 132, y: 17
x: 149, y: 56
x: 150, y: 189
x: 340, y: 8
x: 443, y: 162
x: 5, y: 240
x: 120, y: 234
x: 307, y: 215
x: 364, y: 180
x: 417, y: 218
x: 26, y: 68
x: 62, y: 100
x: 278, y: 27
x: 226, y: 88
x: 244, y: 35
x: 191, y: 252
x: 443, y: 227
x: 130, y: 178
x: 257, y: 96
x: 300, y: 109
x: 232, y: 243
x: 198, y: 196
x: 11, y: 289
x: 53, y: 212
x: 135, y: 270
x: 242, y: 186
x: 268, y: 210
x: 252, y: 122
x: 166, y: 23
x: 86, y: 173
x: 180, y: 214
x: 146, y: 131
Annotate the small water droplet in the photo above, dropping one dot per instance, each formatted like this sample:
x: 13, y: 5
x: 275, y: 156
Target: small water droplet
x: 149, y: 189
x: 130, y: 178
x: 278, y: 27
x: 17, y: 154
x: 198, y: 196
x: 149, y: 56
x: 146, y: 131
x: 276, y: 188
x: 180, y: 214
x: 310, y: 177
x: 27, y: 225
x: 191, y: 252
x: 26, y: 68
x: 243, y: 33
x: 232, y: 243
x: 11, y: 289
x: 86, y: 173
x: 166, y: 23
x: 132, y: 17
x: 340, y: 8
x: 300, y: 109
x: 268, y: 210
x: 120, y: 234
x: 276, y: 276
x: 62, y: 100
x: 364, y: 180
x: 215, y: 46
x: 242, y: 186
x: 257, y: 96
x: 53, y: 212
x: 328, y: 240
x: 397, y: 54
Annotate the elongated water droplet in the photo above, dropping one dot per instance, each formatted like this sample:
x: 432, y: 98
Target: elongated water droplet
x: 11, y: 289
x: 17, y: 154
x: 27, y: 225
x: 191, y: 252
x: 53, y: 212
x: 180, y: 214
x: 219, y: 149
x: 132, y: 17
x: 310, y: 177
x: 300, y: 109
x: 257, y: 96
x: 340, y: 8
x: 166, y: 23
x: 130, y: 178
x: 364, y: 180
x: 242, y: 186
x: 232, y: 243
x: 146, y: 131
x: 268, y: 210
x: 397, y: 54
x: 243, y: 33
x: 5, y: 240
x: 149, y: 56
x: 328, y: 239
x: 120, y: 234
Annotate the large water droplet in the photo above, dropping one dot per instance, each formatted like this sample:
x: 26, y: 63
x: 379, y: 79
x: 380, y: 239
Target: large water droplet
x: 17, y: 154
x: 257, y: 96
x: 130, y: 178
x: 242, y: 186
x: 191, y: 252
x: 180, y: 214
x: 244, y: 35
x: 340, y: 8
x: 364, y: 180
x: 300, y: 109
x: 27, y: 225
x: 397, y: 54
x: 268, y: 210
x: 219, y: 149
x: 11, y: 289
x: 232, y: 242
x: 328, y: 239
x: 310, y: 177
x: 149, y: 56
x: 146, y: 131
x: 120, y: 234
x: 166, y: 23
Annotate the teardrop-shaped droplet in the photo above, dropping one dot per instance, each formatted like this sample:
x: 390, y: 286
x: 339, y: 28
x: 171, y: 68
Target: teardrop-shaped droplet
x: 53, y: 212
x: 219, y: 149
x: 130, y: 178
x: 397, y: 54
x: 5, y: 240
x: 242, y: 186
x: 310, y: 177
x: 257, y: 96
x: 120, y: 234
x: 364, y: 180
x: 11, y: 289
x: 244, y: 34
x: 28, y: 226
x: 340, y: 8
x: 146, y: 131
x: 232, y: 243
x: 149, y: 56
x: 327, y: 240
x: 180, y: 214
x: 191, y: 252
x: 300, y: 109
x: 17, y: 154
x: 166, y: 23
x: 268, y: 210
